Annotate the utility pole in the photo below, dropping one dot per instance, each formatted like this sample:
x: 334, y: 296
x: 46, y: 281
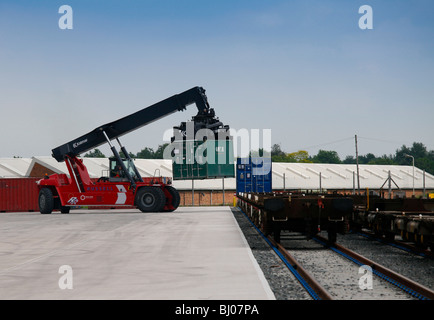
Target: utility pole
x: 223, y: 187
x: 357, y: 164
x: 320, y: 183
x: 410, y: 156
x: 192, y: 192
x: 390, y: 184
x: 354, y: 183
x: 424, y: 190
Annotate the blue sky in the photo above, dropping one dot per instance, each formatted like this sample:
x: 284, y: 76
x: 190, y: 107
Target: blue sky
x: 303, y: 69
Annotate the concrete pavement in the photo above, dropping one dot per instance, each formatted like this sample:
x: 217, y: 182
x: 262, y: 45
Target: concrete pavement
x: 192, y: 253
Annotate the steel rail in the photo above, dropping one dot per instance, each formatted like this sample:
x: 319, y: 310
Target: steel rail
x: 322, y: 293
x: 413, y: 288
x: 315, y: 290
x: 398, y: 244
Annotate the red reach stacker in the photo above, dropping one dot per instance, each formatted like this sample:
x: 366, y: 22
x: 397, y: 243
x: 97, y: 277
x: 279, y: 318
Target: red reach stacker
x: 123, y: 186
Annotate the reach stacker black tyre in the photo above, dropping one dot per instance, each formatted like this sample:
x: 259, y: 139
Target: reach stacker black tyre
x: 150, y: 199
x: 176, y: 198
x: 46, y: 201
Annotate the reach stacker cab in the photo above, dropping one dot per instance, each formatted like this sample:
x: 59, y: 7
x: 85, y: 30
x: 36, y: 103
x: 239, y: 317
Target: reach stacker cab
x: 123, y: 186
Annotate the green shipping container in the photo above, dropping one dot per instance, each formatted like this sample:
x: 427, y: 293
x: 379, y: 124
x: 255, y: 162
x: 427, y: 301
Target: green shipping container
x: 203, y: 160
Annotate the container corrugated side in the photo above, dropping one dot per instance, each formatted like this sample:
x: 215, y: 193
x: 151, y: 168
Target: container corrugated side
x: 203, y: 160
x: 18, y: 194
x: 254, y: 175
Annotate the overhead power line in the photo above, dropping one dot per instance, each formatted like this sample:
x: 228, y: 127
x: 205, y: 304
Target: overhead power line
x: 327, y: 143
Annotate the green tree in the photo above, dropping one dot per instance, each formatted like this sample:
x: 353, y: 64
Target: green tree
x: 299, y: 156
x: 418, y: 150
x: 400, y: 157
x: 146, y: 153
x: 158, y: 154
x: 281, y: 158
x: 277, y: 155
x: 366, y: 158
x: 384, y: 160
x: 122, y: 155
x: 423, y: 159
x: 426, y: 164
x: 349, y: 160
x: 324, y: 156
x: 95, y: 154
x: 277, y: 151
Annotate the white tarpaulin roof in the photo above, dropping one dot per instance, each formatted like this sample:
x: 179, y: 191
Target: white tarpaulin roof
x: 295, y: 175
x: 340, y: 176
x: 14, y: 167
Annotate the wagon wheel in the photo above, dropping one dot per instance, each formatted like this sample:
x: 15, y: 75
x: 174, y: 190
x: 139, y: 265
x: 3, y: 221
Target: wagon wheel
x: 420, y: 240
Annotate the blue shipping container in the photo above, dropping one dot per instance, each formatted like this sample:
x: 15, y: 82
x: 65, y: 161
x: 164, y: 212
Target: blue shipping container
x: 254, y: 175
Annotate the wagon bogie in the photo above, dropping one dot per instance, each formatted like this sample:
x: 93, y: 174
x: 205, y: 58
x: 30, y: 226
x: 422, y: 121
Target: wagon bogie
x: 309, y: 214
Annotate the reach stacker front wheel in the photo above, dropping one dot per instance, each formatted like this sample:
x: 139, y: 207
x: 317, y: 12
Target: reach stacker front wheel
x: 46, y: 201
x: 150, y: 199
x: 176, y: 198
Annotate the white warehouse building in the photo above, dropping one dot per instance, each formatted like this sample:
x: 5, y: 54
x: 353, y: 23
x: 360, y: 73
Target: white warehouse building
x: 285, y: 176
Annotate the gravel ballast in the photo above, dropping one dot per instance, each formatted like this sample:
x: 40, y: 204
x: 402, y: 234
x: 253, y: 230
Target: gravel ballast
x: 282, y: 282
x: 337, y: 274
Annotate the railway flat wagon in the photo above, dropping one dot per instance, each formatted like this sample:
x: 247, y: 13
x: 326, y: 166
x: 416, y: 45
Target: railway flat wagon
x: 307, y: 213
x: 410, y: 218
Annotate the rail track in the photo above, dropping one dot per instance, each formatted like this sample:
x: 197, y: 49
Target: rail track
x: 337, y: 273
x: 402, y: 282
x: 400, y: 244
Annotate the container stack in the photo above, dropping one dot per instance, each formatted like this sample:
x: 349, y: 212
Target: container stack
x: 202, y: 149
x: 254, y: 175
